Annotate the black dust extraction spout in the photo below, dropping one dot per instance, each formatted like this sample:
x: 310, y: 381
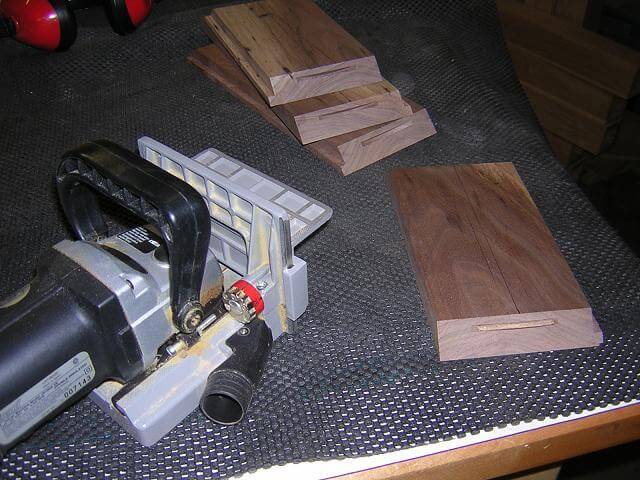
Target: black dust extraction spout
x: 230, y: 387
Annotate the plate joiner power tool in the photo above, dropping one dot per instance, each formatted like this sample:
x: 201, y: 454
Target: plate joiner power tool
x: 167, y: 316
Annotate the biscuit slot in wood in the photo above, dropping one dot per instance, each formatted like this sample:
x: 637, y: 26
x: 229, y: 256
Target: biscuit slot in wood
x: 318, y: 74
x: 492, y: 327
x: 292, y: 50
x: 344, y: 152
x: 390, y: 131
x: 345, y: 110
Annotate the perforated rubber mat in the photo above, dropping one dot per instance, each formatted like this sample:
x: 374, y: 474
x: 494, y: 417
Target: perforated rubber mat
x: 360, y: 375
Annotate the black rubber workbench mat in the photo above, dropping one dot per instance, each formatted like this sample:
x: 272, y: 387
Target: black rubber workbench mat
x: 360, y: 376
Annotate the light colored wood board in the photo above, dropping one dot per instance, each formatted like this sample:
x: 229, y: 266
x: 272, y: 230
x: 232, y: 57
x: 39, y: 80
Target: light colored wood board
x: 359, y: 149
x: 517, y: 333
x: 559, y: 83
x: 563, y: 150
x: 570, y: 123
x: 348, y: 152
x: 481, y: 251
x: 291, y: 49
x: 585, y: 13
x: 590, y: 56
x: 332, y: 114
x: 516, y: 453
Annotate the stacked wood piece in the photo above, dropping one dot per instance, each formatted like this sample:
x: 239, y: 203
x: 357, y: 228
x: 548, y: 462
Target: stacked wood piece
x: 303, y: 73
x: 577, y: 81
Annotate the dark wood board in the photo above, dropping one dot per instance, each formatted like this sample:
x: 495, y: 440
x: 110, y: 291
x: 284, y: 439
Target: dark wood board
x: 491, y: 275
x: 592, y: 57
x: 535, y: 70
x: 585, y: 13
x: 291, y: 49
x: 348, y: 152
x: 573, y: 124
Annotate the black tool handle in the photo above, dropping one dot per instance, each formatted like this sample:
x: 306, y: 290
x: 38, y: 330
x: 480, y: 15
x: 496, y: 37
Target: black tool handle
x: 156, y: 196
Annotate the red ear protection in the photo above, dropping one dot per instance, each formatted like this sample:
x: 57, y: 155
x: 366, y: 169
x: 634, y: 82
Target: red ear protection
x: 126, y: 15
x: 51, y: 24
x: 47, y: 24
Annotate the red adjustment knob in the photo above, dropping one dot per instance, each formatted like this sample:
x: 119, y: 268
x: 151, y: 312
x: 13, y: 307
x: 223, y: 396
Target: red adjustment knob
x: 243, y: 301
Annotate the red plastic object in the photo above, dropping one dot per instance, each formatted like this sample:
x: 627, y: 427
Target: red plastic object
x: 35, y: 22
x: 253, y: 293
x: 138, y: 10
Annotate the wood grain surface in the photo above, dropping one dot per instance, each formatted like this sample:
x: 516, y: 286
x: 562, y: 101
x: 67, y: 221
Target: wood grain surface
x: 516, y: 453
x: 332, y: 114
x: 358, y: 149
x: 585, y: 13
x: 534, y: 70
x: 492, y: 278
x: 573, y: 124
x: 348, y: 152
x: 592, y: 57
x: 291, y: 49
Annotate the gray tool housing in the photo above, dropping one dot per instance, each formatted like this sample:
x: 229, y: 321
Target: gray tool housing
x: 256, y: 223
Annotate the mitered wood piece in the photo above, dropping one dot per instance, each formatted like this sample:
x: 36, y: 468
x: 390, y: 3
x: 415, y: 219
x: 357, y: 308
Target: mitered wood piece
x: 352, y: 151
x: 348, y: 152
x: 332, y: 114
x: 571, y: 123
x: 516, y: 453
x: 291, y: 49
x: 586, y: 54
x: 535, y: 70
x: 492, y: 277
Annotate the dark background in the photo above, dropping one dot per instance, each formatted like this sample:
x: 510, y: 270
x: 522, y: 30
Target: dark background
x: 360, y: 376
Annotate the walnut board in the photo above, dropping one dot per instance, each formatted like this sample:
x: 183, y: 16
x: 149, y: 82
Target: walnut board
x: 291, y: 49
x: 332, y: 114
x: 348, y: 152
x: 585, y: 13
x: 355, y: 150
x: 557, y: 82
x: 491, y: 276
x: 573, y: 124
x: 592, y: 57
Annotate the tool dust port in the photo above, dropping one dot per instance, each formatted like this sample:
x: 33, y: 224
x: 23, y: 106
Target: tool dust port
x: 229, y: 389
x: 227, y: 397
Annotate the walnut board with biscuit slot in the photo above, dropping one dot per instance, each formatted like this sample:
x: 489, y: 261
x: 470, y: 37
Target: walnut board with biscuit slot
x: 348, y: 152
x: 291, y: 49
x: 491, y: 276
x: 332, y: 114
